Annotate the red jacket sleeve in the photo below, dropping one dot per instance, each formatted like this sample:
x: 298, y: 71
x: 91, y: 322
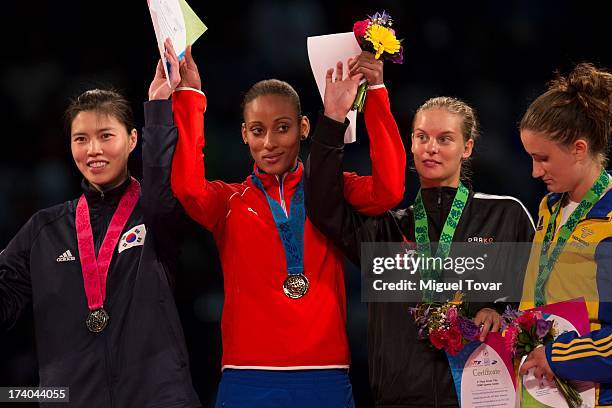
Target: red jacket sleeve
x: 373, y: 195
x: 204, y: 201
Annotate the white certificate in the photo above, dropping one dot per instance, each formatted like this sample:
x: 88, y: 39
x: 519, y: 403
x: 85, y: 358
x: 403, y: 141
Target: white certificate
x: 324, y: 52
x: 487, y: 380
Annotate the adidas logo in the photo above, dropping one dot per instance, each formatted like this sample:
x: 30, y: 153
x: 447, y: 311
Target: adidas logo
x: 65, y: 257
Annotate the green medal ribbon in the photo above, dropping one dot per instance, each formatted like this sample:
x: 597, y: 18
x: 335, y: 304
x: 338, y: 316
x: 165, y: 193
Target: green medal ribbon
x: 421, y: 232
x: 547, y: 262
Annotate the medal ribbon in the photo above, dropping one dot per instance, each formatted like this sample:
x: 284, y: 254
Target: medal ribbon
x: 291, y: 230
x: 547, y: 262
x: 421, y: 232
x: 95, y: 270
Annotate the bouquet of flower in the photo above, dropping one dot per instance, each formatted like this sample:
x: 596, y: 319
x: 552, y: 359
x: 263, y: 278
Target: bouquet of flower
x: 524, y: 331
x: 375, y: 35
x: 445, y: 324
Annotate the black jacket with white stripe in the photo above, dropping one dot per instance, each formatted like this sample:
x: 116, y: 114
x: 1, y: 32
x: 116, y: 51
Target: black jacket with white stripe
x: 404, y: 371
x: 140, y: 359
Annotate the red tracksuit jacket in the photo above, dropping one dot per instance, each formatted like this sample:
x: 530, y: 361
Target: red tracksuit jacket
x: 261, y: 327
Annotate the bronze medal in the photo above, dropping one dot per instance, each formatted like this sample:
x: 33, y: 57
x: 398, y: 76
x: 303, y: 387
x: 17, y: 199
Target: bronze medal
x: 97, y: 320
x: 295, y: 286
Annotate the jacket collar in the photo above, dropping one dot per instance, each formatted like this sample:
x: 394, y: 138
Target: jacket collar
x: 289, y: 180
x: 107, y: 197
x: 601, y: 209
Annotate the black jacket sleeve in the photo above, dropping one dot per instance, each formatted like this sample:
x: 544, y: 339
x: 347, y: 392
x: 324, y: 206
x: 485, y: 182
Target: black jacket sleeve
x: 324, y: 195
x: 15, y: 281
x: 164, y: 216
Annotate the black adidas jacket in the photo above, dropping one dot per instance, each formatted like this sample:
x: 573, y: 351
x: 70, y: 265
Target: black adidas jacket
x: 404, y: 371
x: 140, y: 359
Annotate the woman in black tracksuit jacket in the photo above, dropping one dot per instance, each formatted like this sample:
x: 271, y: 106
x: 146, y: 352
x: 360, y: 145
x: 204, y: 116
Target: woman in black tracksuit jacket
x: 139, y: 359
x: 405, y: 371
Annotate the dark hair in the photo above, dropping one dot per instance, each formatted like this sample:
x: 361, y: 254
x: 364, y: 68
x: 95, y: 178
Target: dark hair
x: 469, y: 122
x: 272, y: 87
x: 105, y: 101
x: 578, y: 106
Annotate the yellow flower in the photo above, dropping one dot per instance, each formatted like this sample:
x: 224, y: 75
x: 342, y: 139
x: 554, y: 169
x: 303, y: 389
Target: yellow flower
x: 457, y: 298
x: 382, y: 39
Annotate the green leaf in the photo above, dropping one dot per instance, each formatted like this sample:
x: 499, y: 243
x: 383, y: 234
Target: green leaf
x: 524, y: 338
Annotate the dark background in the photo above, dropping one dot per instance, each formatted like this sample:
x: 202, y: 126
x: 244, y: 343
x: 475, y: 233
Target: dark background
x: 495, y: 55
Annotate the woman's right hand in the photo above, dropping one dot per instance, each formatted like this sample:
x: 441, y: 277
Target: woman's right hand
x: 190, y: 77
x: 340, y: 92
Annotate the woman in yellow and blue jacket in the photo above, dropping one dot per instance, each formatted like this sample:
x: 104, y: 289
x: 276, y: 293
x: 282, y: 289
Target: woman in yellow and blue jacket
x: 566, y: 131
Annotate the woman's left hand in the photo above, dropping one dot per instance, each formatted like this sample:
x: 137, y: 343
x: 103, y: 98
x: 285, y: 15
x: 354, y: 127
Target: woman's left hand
x: 339, y: 92
x: 159, y: 88
x: 488, y: 320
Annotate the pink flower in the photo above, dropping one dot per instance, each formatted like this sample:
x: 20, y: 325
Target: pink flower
x: 511, y: 337
x: 451, y: 315
x: 360, y: 27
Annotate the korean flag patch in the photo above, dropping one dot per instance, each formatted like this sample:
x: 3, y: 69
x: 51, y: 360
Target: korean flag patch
x: 132, y: 238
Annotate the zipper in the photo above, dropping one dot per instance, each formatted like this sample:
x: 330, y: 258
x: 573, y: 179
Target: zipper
x: 109, y: 368
x: 281, y: 195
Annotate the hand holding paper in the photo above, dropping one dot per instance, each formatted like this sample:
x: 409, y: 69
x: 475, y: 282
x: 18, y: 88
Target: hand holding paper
x: 488, y: 320
x: 537, y: 360
x: 190, y: 76
x: 174, y: 19
x: 162, y: 87
x: 339, y: 92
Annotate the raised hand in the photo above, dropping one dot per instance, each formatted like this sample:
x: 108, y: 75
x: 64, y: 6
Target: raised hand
x: 190, y: 77
x: 340, y: 92
x: 159, y: 88
x: 370, y: 67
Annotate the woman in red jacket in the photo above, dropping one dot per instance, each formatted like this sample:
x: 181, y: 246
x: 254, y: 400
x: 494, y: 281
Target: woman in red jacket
x: 284, y: 315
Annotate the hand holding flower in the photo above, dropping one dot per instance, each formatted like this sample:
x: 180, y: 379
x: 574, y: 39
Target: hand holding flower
x: 370, y: 67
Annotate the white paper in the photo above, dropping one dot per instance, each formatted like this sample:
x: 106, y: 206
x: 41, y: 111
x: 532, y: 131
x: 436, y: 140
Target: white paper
x: 486, y: 381
x: 168, y: 22
x: 324, y: 52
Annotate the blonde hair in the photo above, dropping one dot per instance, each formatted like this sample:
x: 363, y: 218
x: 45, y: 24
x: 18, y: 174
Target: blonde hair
x: 469, y: 122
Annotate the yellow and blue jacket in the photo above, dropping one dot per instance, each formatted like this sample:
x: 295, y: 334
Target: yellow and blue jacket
x: 583, y: 269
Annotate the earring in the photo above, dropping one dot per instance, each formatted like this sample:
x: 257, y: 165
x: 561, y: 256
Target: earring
x: 303, y: 137
x: 244, y: 141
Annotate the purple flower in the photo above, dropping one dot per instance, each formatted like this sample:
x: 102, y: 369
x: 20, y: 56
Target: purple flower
x: 383, y: 18
x: 509, y: 316
x: 469, y: 330
x: 397, y: 58
x: 423, y: 333
x: 542, y: 328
